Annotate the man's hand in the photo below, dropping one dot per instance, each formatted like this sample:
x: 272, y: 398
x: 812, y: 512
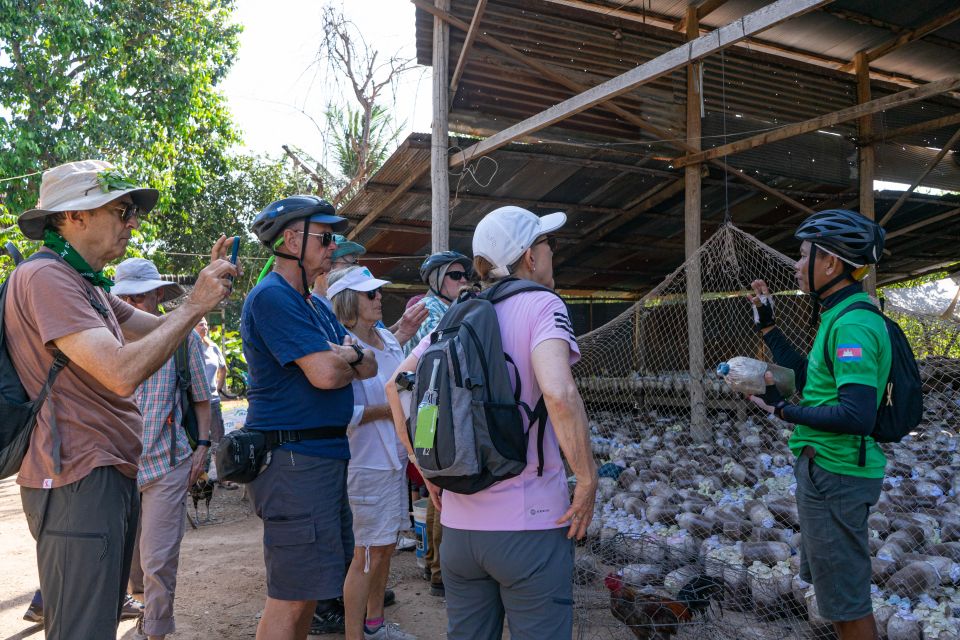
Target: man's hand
x: 436, y: 493
x: 761, y: 302
x: 580, y: 512
x: 197, y: 464
x: 215, y: 281
x: 410, y: 322
x: 771, y: 400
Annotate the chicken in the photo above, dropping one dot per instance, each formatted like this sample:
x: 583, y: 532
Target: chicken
x: 202, y: 489
x: 650, y: 616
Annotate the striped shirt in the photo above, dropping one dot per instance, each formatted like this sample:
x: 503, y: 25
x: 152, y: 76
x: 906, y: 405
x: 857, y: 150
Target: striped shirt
x: 159, y: 403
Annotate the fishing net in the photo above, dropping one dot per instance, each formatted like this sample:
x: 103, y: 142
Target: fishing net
x: 697, y: 484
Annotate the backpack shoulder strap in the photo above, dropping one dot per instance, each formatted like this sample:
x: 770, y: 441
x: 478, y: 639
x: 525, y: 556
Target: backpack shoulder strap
x: 862, y: 305
x: 511, y: 287
x: 181, y: 362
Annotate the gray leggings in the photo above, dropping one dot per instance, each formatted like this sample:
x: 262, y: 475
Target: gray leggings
x: 527, y: 575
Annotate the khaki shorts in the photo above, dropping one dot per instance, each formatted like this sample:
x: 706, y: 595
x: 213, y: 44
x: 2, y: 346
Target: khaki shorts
x: 378, y: 500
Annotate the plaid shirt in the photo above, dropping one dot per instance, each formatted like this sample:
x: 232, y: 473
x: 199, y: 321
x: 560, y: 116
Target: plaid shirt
x: 159, y: 403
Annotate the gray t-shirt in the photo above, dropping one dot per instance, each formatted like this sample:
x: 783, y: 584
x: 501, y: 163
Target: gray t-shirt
x: 212, y: 362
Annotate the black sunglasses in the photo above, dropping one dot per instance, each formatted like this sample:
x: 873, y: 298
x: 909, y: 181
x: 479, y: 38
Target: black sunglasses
x: 372, y: 295
x: 325, y: 238
x: 551, y: 242
x: 127, y: 211
x: 456, y: 275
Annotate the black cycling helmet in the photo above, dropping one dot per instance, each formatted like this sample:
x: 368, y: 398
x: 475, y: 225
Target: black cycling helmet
x: 438, y: 260
x: 276, y: 216
x: 270, y: 222
x: 849, y: 234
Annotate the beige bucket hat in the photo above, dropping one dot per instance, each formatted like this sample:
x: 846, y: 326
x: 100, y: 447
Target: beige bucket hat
x: 81, y: 186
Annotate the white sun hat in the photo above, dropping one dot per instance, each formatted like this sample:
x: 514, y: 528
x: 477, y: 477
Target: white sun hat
x: 138, y: 275
x: 356, y: 279
x: 505, y: 233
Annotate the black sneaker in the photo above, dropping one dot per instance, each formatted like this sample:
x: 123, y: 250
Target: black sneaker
x: 437, y: 589
x: 34, y: 613
x: 330, y: 621
x: 389, y: 597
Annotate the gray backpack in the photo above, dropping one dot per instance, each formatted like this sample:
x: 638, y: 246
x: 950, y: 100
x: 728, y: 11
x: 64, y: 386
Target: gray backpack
x: 479, y: 437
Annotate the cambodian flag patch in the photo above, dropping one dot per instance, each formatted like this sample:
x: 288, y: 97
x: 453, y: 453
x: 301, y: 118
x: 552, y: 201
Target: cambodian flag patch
x: 849, y: 353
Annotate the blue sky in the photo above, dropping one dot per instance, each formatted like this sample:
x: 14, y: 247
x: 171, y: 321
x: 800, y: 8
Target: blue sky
x: 275, y: 79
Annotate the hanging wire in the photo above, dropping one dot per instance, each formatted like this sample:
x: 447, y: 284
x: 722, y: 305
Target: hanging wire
x: 727, y: 216
x: 26, y: 175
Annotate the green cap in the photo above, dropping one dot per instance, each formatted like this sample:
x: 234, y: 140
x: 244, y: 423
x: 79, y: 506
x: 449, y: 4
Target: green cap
x: 346, y: 247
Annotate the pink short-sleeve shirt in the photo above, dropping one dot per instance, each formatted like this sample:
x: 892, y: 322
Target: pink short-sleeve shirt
x: 526, y: 502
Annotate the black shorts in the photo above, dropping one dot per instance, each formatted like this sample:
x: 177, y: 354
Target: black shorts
x: 307, y: 526
x: 834, y: 538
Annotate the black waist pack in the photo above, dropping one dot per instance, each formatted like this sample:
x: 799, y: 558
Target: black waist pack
x: 241, y: 455
x: 243, y: 452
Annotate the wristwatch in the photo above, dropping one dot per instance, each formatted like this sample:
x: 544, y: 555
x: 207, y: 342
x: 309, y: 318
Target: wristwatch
x: 359, y: 351
x: 203, y: 443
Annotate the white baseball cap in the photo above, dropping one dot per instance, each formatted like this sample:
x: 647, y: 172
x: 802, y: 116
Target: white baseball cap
x: 359, y: 279
x: 505, y: 233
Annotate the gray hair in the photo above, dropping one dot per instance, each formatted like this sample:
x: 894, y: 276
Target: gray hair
x: 346, y: 304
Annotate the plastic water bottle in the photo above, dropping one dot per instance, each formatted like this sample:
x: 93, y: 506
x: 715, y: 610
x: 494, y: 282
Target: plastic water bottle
x: 745, y: 375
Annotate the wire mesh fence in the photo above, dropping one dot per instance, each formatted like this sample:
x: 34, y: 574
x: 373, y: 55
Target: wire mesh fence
x: 697, y: 532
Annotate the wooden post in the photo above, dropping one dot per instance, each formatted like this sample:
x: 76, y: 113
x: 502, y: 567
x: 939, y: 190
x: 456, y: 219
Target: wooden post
x: 691, y: 224
x: 866, y: 154
x: 439, y: 181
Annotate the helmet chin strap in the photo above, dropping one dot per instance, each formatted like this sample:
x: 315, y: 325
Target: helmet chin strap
x: 817, y: 293
x: 441, y: 273
x: 303, y: 271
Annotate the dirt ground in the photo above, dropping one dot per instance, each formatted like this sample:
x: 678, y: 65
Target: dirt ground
x: 221, y: 587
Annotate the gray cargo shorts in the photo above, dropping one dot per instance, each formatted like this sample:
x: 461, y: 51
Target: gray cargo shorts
x: 834, y: 547
x: 307, y: 526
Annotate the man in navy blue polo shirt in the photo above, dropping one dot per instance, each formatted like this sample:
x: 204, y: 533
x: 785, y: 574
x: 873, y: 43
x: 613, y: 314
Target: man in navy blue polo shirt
x: 301, y: 365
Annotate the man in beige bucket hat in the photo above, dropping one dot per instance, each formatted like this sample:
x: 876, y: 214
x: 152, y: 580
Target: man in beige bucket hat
x: 78, y: 478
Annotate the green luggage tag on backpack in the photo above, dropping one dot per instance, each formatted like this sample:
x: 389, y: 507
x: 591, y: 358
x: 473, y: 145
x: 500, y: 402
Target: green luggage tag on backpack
x: 427, y: 414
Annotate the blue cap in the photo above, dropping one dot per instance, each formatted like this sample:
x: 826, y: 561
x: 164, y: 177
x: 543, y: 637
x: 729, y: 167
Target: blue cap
x: 346, y: 247
x: 338, y: 223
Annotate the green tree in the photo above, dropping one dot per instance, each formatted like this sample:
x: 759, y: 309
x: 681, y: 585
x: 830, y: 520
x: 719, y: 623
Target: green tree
x: 132, y: 82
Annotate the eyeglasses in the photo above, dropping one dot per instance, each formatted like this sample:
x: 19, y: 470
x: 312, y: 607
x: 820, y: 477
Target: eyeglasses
x: 325, y: 238
x: 551, y: 242
x: 456, y: 275
x: 127, y: 211
x: 372, y: 295
x: 135, y: 297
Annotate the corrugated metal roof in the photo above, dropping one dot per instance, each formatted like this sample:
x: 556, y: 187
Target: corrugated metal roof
x: 596, y: 186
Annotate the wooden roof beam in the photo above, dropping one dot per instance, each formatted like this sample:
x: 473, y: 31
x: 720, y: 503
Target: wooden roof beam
x: 916, y: 183
x: 906, y: 37
x: 750, y: 24
x: 923, y: 223
x: 844, y: 115
x: 611, y: 106
x: 467, y: 46
x: 754, y: 44
x: 703, y: 10
x: 920, y: 127
x: 416, y: 172
x: 651, y: 199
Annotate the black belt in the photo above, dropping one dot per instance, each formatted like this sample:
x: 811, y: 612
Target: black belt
x: 808, y: 452
x: 277, y: 438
